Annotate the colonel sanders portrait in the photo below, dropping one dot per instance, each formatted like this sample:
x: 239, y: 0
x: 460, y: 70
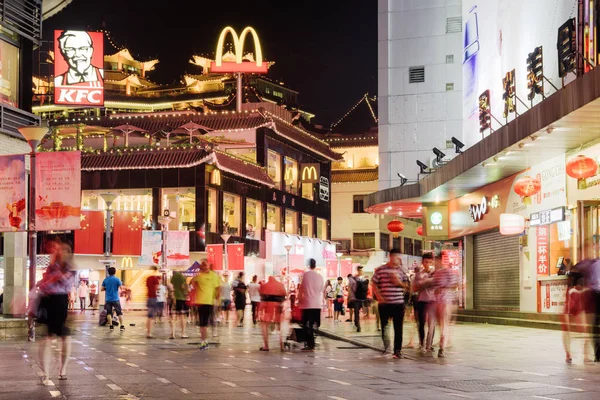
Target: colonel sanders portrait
x: 77, y: 48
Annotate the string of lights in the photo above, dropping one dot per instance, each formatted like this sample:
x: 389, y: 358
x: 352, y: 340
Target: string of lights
x: 365, y: 98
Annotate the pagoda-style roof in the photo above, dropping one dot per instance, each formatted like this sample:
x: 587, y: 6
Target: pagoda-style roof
x: 121, y: 77
x: 337, y: 140
x: 358, y: 119
x: 205, y: 62
x: 355, y: 175
x: 124, y: 54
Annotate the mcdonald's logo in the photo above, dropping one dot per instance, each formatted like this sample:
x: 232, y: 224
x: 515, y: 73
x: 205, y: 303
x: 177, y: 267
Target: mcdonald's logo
x: 289, y: 175
x: 257, y: 67
x: 126, y: 262
x: 310, y: 173
x: 215, y: 177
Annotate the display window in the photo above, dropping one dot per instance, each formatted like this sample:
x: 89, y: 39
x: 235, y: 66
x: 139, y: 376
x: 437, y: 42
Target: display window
x: 128, y: 200
x: 291, y: 222
x: 273, y: 218
x: 180, y: 205
x: 291, y: 175
x: 253, y: 219
x: 307, y: 225
x: 231, y: 214
x: 211, y: 198
x: 321, y: 229
x: 9, y: 74
x: 274, y: 167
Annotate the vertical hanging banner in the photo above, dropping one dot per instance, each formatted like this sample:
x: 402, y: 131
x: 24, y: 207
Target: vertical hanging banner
x: 79, y: 68
x: 331, y: 268
x: 151, y: 248
x: 58, y: 191
x: 127, y: 233
x: 542, y: 250
x: 235, y: 257
x: 214, y: 256
x: 178, y: 248
x: 12, y: 193
x: 89, y: 239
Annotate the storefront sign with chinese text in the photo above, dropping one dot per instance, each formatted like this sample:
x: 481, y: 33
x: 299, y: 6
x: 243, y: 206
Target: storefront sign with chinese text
x: 542, y: 250
x: 553, y: 296
x: 547, y: 216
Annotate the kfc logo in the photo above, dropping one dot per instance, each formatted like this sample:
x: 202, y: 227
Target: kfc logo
x: 78, y: 68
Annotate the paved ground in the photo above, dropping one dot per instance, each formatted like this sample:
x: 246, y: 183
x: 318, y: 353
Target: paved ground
x: 485, y: 362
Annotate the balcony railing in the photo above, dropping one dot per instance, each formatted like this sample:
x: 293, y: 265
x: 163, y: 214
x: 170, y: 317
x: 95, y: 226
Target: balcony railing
x: 23, y: 16
x: 12, y: 118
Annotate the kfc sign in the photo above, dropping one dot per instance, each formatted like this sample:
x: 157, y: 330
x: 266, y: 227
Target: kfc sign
x: 78, y: 68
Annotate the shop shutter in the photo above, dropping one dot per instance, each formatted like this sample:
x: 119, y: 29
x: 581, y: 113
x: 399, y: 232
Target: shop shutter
x: 496, y: 271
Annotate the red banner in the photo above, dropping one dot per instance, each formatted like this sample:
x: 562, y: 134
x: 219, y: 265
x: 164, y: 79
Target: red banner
x: 235, y: 257
x: 331, y: 268
x: 346, y: 267
x: 12, y: 193
x: 127, y: 233
x: 214, y: 256
x: 543, y: 250
x: 90, y: 238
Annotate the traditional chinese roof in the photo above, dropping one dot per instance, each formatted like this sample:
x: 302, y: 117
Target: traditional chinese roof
x: 355, y: 175
x: 125, y: 54
x: 337, y: 141
x: 122, y: 77
x: 359, y: 119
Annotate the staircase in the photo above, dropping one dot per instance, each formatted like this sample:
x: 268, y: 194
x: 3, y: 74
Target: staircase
x: 513, y: 318
x: 139, y: 293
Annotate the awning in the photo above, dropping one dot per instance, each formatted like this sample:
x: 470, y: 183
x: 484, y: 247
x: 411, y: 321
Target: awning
x: 193, y: 270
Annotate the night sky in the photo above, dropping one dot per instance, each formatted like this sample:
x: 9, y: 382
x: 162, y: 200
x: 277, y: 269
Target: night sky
x: 325, y: 49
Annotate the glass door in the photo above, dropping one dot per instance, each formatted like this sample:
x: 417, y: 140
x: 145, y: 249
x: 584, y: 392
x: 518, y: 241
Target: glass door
x: 588, y: 222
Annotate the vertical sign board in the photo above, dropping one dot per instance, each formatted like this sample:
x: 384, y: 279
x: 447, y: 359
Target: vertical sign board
x: 78, y: 68
x: 12, y: 193
x: 151, y: 248
x: 542, y: 250
x: 178, y: 248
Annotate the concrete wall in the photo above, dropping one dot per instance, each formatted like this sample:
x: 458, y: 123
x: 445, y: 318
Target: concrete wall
x: 415, y: 117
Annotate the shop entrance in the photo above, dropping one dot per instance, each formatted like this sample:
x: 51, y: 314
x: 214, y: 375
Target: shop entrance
x: 588, y: 223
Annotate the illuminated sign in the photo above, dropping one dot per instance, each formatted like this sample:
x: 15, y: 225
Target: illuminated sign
x: 510, y: 93
x: 78, y: 68
x: 485, y: 112
x: 257, y: 67
x: 436, y: 221
x: 567, y: 48
x: 546, y: 217
x: 215, y: 177
x: 310, y: 173
x: 477, y: 211
x: 324, y: 189
x: 289, y: 175
x: 126, y: 262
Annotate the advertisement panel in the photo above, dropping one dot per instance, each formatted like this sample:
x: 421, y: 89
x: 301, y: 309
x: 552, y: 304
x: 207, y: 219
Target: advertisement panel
x: 178, y: 248
x: 151, y: 248
x: 498, y: 36
x: 552, y: 296
x: 9, y: 74
x: 58, y: 190
x: 542, y: 258
x: 592, y: 184
x: 13, y: 193
x: 78, y: 68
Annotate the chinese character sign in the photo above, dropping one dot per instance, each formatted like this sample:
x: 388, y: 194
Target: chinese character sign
x: 58, y: 191
x: 12, y: 193
x: 543, y: 250
x: 78, y: 68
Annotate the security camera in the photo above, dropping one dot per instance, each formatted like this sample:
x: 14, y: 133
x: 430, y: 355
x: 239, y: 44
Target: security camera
x: 403, y: 179
x: 438, y: 154
x: 458, y: 145
x: 423, y: 167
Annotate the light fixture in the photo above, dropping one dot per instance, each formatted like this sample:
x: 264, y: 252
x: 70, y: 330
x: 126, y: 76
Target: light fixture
x: 458, y: 145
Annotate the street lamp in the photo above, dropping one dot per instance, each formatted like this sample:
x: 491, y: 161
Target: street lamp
x: 33, y: 135
x: 225, y: 238
x: 109, y: 199
x: 288, y: 247
x: 339, y: 257
x: 164, y: 223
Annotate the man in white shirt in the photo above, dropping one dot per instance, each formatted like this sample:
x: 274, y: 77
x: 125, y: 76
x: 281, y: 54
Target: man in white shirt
x: 82, y: 293
x: 311, y: 302
x: 254, y: 293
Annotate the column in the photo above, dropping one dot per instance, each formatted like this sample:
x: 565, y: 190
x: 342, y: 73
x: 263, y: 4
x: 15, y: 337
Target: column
x: 469, y: 270
x: 15, y: 276
x: 156, y: 208
x: 243, y: 223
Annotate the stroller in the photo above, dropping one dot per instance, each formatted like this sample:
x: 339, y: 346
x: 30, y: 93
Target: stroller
x: 297, y: 337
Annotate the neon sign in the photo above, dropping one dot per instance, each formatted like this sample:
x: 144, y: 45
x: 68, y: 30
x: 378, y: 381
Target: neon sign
x: 257, y: 67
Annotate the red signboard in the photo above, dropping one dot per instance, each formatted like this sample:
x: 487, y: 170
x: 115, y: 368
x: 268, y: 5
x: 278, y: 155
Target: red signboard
x: 542, y: 259
x: 78, y: 68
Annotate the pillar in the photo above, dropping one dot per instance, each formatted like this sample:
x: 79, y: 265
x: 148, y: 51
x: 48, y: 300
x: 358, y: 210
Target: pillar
x: 15, y: 267
x: 469, y: 269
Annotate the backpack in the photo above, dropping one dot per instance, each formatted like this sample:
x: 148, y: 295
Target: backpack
x: 362, y: 289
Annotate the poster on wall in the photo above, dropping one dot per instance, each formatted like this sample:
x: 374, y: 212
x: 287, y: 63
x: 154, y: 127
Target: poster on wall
x: 151, y: 248
x: 58, y: 191
x: 78, y: 68
x: 552, y: 296
x: 542, y: 250
x: 178, y: 248
x: 9, y: 74
x: 13, y: 193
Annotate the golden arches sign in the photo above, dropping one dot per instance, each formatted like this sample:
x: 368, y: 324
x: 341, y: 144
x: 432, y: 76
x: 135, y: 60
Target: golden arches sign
x: 259, y: 67
x: 310, y: 173
x: 126, y: 262
x: 215, y: 177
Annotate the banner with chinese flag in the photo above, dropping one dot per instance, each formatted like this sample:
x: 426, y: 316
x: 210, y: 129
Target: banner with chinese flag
x: 214, y: 256
x: 127, y: 233
x: 178, y: 248
x: 89, y: 239
x: 12, y: 193
x: 58, y: 191
x: 235, y: 257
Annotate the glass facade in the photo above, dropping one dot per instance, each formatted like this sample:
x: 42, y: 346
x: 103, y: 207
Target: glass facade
x: 254, y: 217
x: 274, y: 167
x: 181, y: 204
x: 273, y: 218
x: 211, y: 198
x: 128, y: 200
x: 321, y: 229
x: 231, y: 214
x: 307, y: 225
x: 291, y: 222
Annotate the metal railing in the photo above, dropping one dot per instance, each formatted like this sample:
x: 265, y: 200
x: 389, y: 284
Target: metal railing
x: 23, y: 17
x: 12, y: 118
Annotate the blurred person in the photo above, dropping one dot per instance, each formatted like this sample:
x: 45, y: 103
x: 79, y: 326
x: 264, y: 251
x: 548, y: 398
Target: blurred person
x: 152, y: 285
x: 444, y: 282
x: 425, y: 296
x: 180, y: 293
x: 310, y: 303
x: 161, y: 299
x: 123, y: 297
x: 367, y: 305
x: 577, y: 305
x: 239, y: 292
x: 225, y: 294
x: 111, y: 285
x: 590, y: 270
x: 349, y: 298
x: 254, y: 293
x: 409, y: 302
x: 55, y: 288
x: 206, y: 285
x: 82, y: 293
x: 338, y: 305
x: 272, y: 296
x: 293, y: 293
x: 328, y: 294
x: 389, y: 284
x: 93, y: 290
x: 359, y: 286
x: 72, y: 297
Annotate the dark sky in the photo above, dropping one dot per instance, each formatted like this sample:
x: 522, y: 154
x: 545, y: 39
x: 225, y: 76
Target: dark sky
x: 325, y: 49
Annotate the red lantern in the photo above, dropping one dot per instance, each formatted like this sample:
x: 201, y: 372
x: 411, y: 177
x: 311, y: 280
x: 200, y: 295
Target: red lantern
x: 581, y: 168
x: 420, y: 230
x: 526, y: 187
x: 395, y: 227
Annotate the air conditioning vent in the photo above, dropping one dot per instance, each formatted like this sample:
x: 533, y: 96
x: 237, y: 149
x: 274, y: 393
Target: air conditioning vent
x: 449, y: 86
x: 416, y: 74
x: 450, y: 59
x: 454, y: 25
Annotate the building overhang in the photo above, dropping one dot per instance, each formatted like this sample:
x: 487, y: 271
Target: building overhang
x: 564, y: 121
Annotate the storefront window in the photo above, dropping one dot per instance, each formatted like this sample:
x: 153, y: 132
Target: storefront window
x: 231, y: 214
x: 363, y: 241
x: 321, y: 229
x: 291, y: 175
x: 253, y: 219
x: 291, y: 222
x: 308, y: 191
x: 211, y: 197
x: 9, y: 74
x: 274, y: 167
x: 273, y: 218
x: 245, y: 153
x: 128, y: 200
x: 307, y: 225
x: 181, y: 204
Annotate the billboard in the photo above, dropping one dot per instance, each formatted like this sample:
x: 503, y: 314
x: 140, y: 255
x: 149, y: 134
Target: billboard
x: 78, y: 68
x: 498, y: 36
x: 12, y: 193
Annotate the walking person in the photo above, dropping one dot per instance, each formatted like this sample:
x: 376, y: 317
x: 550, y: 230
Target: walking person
x: 54, y: 288
x: 254, y: 293
x: 359, y: 286
x: 93, y: 290
x: 576, y: 307
x: 424, y: 297
x: 310, y: 302
x: 272, y: 296
x: 72, y: 297
x: 206, y: 285
x: 152, y: 285
x: 590, y: 269
x: 161, y: 299
x: 225, y: 294
x: 349, y: 299
x: 389, y: 284
x: 338, y: 302
x: 444, y: 283
x: 328, y: 295
x: 239, y: 291
x: 82, y: 293
x: 180, y: 292
x: 111, y: 285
